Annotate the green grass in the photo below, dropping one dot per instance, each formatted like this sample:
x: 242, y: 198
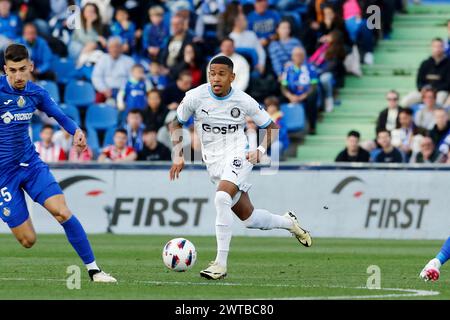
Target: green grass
x: 258, y: 268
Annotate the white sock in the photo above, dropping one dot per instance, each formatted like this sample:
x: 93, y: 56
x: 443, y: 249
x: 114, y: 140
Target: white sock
x: 92, y: 266
x: 264, y: 220
x: 224, y: 221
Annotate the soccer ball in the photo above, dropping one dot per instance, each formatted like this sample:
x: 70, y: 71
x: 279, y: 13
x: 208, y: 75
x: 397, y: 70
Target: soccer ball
x: 179, y: 254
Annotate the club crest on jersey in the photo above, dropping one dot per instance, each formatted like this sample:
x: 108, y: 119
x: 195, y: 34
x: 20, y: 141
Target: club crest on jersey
x: 235, y: 112
x: 237, y: 163
x: 21, y: 101
x: 6, y: 212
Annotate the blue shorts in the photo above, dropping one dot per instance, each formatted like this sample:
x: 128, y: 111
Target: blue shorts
x: 35, y: 179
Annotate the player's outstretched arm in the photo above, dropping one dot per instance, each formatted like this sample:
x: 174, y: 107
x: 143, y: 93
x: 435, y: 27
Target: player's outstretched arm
x: 176, y: 133
x: 255, y: 156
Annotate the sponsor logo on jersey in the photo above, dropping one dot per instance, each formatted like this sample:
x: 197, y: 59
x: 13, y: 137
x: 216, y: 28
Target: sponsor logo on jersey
x: 7, y: 102
x: 8, y: 117
x: 231, y: 128
x: 21, y: 101
x: 235, y: 112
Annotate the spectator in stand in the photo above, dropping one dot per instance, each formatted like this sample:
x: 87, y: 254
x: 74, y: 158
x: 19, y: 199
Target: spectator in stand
x: 324, y: 20
x: 40, y: 52
x: 428, y: 153
x: 119, y: 151
x: 280, y: 49
x: 388, y: 118
x: 298, y: 86
x: 442, y: 127
x: 156, y: 76
x: 152, y: 149
x: 48, y: 151
x: 172, y: 49
x: 424, y: 117
x: 353, y: 152
x: 111, y: 73
x: 263, y: 21
x: 280, y: 145
x: 226, y: 19
x: 134, y: 94
x: 125, y: 29
x: 407, y: 137
x: 244, y: 38
x: 434, y: 72
x: 241, y: 66
x: 104, y: 7
x: 135, y: 129
x: 166, y: 134
x: 63, y: 139
x: 194, y: 63
x: 207, y: 16
x: 388, y: 153
x: 85, y: 39
x: 85, y: 156
x: 358, y: 30
x: 174, y: 93
x: 155, y: 113
x: 10, y: 24
x: 329, y: 63
x: 154, y: 34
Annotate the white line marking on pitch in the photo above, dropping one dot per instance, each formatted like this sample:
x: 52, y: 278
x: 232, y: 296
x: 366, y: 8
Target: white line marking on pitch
x: 406, y: 292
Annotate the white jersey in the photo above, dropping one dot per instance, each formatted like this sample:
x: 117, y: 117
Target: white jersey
x: 220, y: 121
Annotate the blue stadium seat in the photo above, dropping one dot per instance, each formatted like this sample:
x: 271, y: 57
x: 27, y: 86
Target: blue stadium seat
x: 250, y: 54
x: 64, y: 69
x: 52, y: 89
x: 79, y: 93
x: 294, y: 116
x: 35, y: 131
x: 101, y: 116
x: 72, y: 112
x: 93, y: 141
x: 109, y: 136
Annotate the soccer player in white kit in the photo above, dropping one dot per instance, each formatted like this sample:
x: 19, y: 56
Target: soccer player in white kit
x: 219, y: 113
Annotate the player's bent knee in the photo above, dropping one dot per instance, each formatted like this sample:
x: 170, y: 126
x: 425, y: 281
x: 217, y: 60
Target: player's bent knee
x: 222, y: 198
x: 63, y: 215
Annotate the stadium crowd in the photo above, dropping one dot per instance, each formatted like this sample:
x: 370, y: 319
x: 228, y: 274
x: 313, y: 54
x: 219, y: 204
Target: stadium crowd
x: 120, y: 68
x: 415, y: 129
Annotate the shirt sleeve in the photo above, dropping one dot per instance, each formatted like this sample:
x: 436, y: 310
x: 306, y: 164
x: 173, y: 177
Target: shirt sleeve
x: 49, y: 106
x: 185, y: 109
x: 258, y: 114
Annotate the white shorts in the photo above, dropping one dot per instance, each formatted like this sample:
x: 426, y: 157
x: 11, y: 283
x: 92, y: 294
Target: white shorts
x: 235, y: 169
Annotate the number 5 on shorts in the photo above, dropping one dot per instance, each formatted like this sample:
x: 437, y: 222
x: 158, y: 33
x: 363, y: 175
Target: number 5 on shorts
x: 5, y: 195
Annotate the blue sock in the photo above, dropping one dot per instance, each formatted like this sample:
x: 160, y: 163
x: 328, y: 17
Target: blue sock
x: 444, y: 254
x: 78, y: 239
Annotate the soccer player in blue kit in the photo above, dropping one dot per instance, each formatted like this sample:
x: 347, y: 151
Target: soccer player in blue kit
x: 21, y: 169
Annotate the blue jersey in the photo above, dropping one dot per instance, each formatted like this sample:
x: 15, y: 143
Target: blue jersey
x: 264, y: 25
x: 16, y: 111
x: 135, y: 95
x: 299, y: 80
x: 10, y: 26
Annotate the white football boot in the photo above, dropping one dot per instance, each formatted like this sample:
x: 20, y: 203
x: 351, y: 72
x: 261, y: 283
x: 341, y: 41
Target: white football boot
x: 214, y: 272
x: 100, y: 276
x: 431, y: 271
x: 302, y: 235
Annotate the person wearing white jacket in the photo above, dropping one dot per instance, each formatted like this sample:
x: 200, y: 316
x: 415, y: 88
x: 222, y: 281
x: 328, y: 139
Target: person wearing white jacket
x: 244, y: 38
x: 241, y: 66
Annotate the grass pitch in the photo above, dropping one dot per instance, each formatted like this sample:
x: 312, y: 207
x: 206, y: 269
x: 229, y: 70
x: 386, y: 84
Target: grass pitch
x: 259, y: 268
